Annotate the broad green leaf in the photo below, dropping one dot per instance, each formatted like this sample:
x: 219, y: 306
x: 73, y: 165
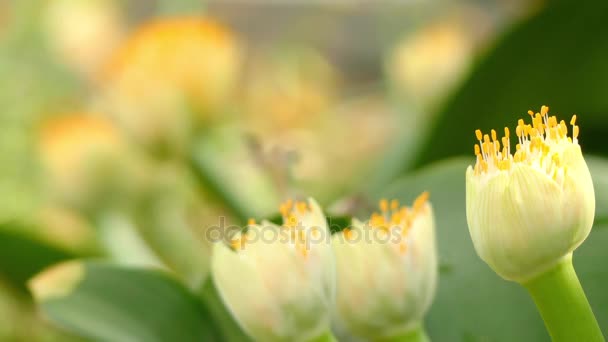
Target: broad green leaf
x: 472, y: 302
x: 101, y: 301
x: 555, y: 58
x: 599, y: 172
x: 22, y: 255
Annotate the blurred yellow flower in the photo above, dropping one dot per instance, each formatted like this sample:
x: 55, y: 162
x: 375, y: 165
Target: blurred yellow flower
x: 171, y: 74
x: 387, y: 270
x: 289, y: 89
x: 529, y: 210
x: 278, y: 281
x: 83, y: 34
x: 79, y: 152
x: 425, y: 65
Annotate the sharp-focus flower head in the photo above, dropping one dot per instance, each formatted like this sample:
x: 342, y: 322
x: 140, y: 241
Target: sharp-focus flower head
x: 387, y: 270
x: 529, y: 209
x: 278, y: 281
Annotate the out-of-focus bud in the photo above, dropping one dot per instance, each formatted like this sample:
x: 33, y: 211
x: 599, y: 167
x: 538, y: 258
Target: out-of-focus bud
x: 278, y: 281
x: 288, y: 90
x: 66, y: 228
x: 387, y: 271
x: 425, y: 65
x: 529, y: 210
x: 170, y: 76
x: 84, y: 159
x: 84, y: 33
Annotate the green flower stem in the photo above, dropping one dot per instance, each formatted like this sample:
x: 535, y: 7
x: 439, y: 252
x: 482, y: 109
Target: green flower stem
x: 327, y: 337
x: 417, y: 334
x: 210, y: 182
x: 562, y: 304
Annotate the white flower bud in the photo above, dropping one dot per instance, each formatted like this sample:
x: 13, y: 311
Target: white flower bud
x: 529, y: 210
x: 387, y: 270
x: 278, y: 281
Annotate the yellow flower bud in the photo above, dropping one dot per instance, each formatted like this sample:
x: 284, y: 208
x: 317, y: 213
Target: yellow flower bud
x: 82, y: 156
x: 528, y: 210
x: 172, y: 74
x: 387, y: 270
x: 278, y: 281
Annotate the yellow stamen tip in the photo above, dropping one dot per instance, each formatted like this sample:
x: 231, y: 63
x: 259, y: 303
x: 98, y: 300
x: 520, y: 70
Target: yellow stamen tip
x: 544, y: 110
x: 383, y: 205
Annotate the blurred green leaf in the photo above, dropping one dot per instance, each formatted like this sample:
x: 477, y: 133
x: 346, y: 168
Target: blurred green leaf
x: 599, y: 172
x: 473, y: 303
x: 175, y: 7
x: 23, y: 255
x: 227, y: 168
x: 106, y: 302
x: 554, y: 58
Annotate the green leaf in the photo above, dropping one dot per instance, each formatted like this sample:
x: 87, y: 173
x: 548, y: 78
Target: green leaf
x: 472, y: 302
x: 106, y: 302
x: 555, y: 58
x: 23, y: 255
x: 599, y: 172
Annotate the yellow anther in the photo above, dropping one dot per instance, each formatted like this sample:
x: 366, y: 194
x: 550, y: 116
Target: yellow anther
x: 507, y: 132
x: 394, y: 204
x: 477, y: 151
x: 530, y: 112
x: 544, y: 110
x: 486, y: 138
x: 420, y: 201
x: 493, y: 135
x: 518, y: 131
x: 301, y: 207
x: 292, y: 221
x: 478, y: 134
x: 251, y: 222
x: 383, y: 205
x: 573, y: 120
x: 348, y: 233
x: 575, y: 132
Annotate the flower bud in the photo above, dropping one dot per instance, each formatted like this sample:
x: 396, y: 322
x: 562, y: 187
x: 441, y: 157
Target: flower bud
x: 528, y: 210
x: 84, y: 159
x: 170, y: 76
x: 278, y: 281
x: 387, y: 270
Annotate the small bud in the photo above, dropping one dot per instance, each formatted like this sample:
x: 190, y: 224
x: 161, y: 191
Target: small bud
x: 278, y: 281
x: 387, y: 270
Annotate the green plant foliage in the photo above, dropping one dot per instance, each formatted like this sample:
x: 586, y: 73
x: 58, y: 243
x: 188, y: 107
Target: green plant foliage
x: 550, y: 59
x: 22, y: 255
x: 111, y: 303
x: 473, y: 303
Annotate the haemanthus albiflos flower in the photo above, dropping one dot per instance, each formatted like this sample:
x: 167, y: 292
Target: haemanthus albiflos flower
x: 529, y: 209
x: 387, y: 270
x: 279, y: 281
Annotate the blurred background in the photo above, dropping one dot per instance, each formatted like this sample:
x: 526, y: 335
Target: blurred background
x: 127, y: 128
